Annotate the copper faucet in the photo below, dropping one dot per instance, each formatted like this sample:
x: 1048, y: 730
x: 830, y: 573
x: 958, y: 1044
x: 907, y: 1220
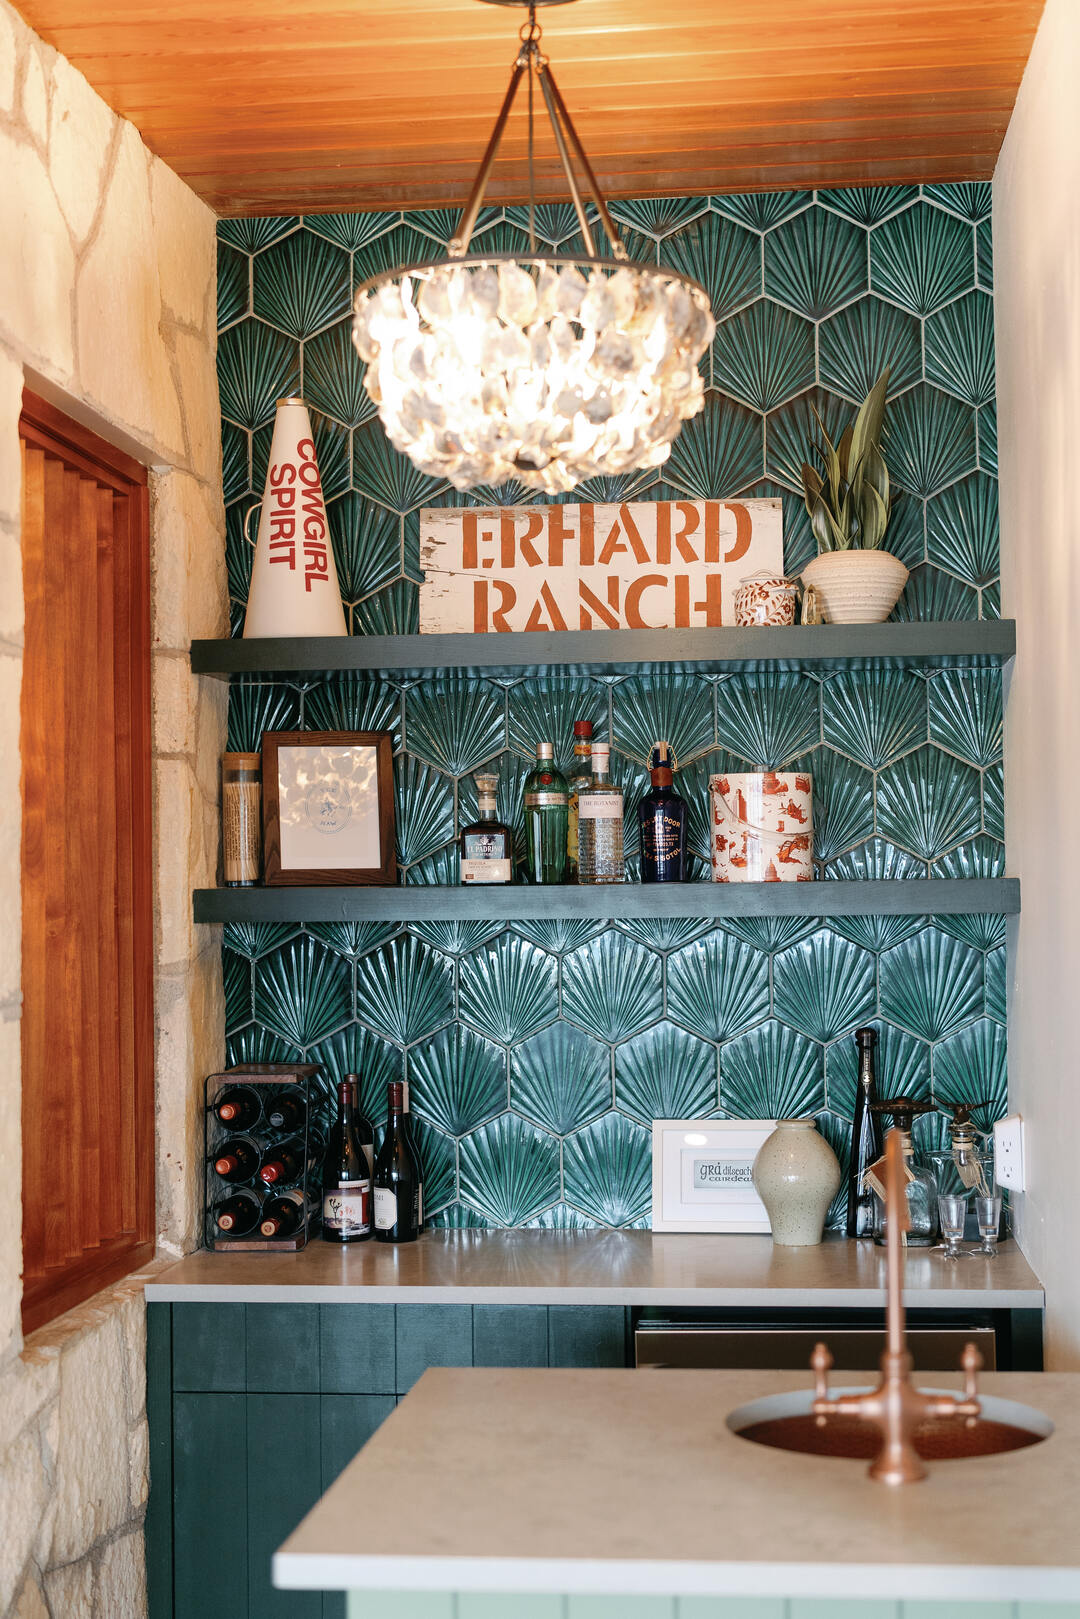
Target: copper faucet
x: 895, y: 1405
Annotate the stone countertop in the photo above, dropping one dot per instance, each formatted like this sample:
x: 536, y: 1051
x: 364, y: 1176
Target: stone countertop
x: 630, y: 1482
x: 599, y: 1267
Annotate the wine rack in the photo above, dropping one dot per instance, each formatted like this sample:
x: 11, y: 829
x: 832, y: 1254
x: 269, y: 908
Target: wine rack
x: 279, y: 1123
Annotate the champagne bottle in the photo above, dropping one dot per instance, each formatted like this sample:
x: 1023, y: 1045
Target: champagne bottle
x: 238, y: 1107
x: 662, y: 822
x: 237, y: 1214
x: 546, y: 818
x: 237, y: 1160
x: 347, y: 1169
x: 399, y: 1196
x: 866, y: 1138
x: 286, y: 1110
x: 282, y: 1215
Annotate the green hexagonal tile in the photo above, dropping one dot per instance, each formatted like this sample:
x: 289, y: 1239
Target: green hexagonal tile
x: 771, y: 1073
x: 457, y: 1080
x: 931, y: 596
x: 334, y: 376
x: 971, y: 1067
x: 857, y: 344
x: 544, y: 710
x: 721, y: 255
x: 392, y: 611
x: 350, y: 231
x: 874, y: 861
x: 768, y: 719
x: 960, y: 348
x: 717, y: 453
x: 663, y: 707
x: 256, y: 366
x: 843, y: 803
x: 352, y: 939
x: 962, y: 532
x: 404, y: 990
x: 233, y: 285
x: 256, y: 708
x: 424, y: 809
x: 815, y: 262
x: 509, y: 1170
x: 350, y: 702
x: 717, y: 986
x: 607, y: 1171
x: 665, y: 1073
x: 928, y: 439
x: 874, y: 715
x: 302, y: 992
x: 921, y: 258
x: 824, y: 985
x: 966, y: 713
x: 560, y: 1078
x: 611, y: 986
x: 761, y: 210
x: 456, y: 724
x: 792, y: 430
x: 932, y: 984
x: 509, y: 989
x: 928, y: 801
x: 970, y: 199
x: 764, y: 355
x: 868, y: 205
x: 301, y: 284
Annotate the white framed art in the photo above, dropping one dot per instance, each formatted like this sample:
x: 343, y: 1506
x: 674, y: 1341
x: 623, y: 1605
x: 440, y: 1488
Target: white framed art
x: 702, y: 1174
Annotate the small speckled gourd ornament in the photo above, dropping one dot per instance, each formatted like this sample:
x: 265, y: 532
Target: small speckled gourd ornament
x: 796, y: 1175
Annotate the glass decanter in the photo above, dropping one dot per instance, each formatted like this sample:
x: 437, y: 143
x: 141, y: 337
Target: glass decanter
x: 965, y: 1167
x: 922, y: 1191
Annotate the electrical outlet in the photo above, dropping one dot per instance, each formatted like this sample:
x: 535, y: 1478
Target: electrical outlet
x: 1009, y: 1152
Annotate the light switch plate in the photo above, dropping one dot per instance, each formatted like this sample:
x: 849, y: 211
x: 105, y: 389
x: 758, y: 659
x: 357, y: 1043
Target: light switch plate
x: 1009, y: 1152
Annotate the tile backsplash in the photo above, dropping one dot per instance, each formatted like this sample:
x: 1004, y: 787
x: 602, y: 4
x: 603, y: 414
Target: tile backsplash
x: 538, y: 1054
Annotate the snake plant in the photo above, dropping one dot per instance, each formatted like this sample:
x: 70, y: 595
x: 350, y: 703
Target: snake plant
x: 848, y: 499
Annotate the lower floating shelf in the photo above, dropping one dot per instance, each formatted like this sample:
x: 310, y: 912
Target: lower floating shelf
x: 999, y: 896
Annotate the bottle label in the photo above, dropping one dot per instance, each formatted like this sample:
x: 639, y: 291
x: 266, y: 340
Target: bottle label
x: 385, y: 1208
x: 545, y: 801
x: 347, y: 1208
x: 599, y: 806
x: 486, y: 869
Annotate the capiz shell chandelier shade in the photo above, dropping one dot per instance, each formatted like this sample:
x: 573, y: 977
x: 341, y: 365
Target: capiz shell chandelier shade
x: 541, y: 368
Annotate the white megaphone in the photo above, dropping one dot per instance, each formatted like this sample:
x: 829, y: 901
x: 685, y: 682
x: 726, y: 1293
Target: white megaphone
x: 294, y: 583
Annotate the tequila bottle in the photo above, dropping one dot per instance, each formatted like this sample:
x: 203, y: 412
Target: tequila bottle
x: 600, y: 824
x: 546, y: 815
x: 580, y: 776
x: 486, y: 848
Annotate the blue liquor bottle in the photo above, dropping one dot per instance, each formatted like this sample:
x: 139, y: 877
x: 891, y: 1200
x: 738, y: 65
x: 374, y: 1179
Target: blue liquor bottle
x: 662, y: 822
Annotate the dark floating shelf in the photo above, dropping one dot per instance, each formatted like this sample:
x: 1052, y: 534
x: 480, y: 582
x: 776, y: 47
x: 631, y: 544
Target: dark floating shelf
x: 961, y: 643
x: 999, y: 896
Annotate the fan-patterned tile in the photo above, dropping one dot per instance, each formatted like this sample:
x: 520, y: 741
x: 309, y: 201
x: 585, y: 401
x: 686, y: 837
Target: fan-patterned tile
x: 966, y: 713
x: 509, y: 1170
x: 303, y: 992
x: 962, y: 532
x: 665, y: 1073
x: 717, y: 986
x: 921, y: 258
x: 928, y: 801
x: 824, y: 986
x: 970, y: 1067
x: 721, y: 255
x: 301, y: 284
x: 902, y: 1062
x: 771, y: 1073
x: 763, y: 355
x: 560, y: 1078
x: 612, y: 986
x: 509, y: 989
x: 768, y: 719
x: 356, y: 1050
x: 857, y: 344
x: 607, y: 1170
x: 457, y: 1080
x: 404, y: 990
x: 874, y: 715
x: 815, y: 262
x: 932, y: 984
x: 455, y: 724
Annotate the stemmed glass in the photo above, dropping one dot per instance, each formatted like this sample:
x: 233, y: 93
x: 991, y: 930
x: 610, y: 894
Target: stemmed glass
x: 988, y: 1214
x: 952, y: 1212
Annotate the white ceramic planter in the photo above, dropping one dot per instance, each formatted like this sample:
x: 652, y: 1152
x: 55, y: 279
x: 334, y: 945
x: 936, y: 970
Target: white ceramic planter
x: 856, y: 587
x: 796, y: 1176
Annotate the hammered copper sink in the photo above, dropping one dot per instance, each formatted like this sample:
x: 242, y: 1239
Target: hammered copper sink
x: 785, y: 1422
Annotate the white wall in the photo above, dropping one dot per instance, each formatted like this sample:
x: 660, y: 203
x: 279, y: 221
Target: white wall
x: 107, y: 305
x: 1037, y: 317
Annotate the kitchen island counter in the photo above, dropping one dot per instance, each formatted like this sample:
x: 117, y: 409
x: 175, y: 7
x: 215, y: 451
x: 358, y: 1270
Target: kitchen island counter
x: 600, y: 1268
x: 623, y: 1482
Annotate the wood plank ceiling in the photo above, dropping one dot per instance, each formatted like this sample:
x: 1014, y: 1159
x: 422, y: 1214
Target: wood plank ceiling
x: 282, y: 106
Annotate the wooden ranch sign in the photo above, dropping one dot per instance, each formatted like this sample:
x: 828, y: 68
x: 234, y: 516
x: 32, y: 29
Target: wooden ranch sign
x: 644, y: 565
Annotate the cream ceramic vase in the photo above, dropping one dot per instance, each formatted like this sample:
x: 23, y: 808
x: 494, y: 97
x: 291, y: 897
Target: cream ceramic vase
x: 856, y: 587
x: 796, y: 1176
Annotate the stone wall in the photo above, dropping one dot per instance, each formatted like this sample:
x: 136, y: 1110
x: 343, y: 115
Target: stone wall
x: 107, y: 262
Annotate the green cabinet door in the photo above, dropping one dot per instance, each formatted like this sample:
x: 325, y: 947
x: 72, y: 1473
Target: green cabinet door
x: 210, y: 1506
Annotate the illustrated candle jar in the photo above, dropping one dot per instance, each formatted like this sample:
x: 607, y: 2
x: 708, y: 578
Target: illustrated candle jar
x: 764, y: 599
x: 241, y: 818
x: 761, y: 827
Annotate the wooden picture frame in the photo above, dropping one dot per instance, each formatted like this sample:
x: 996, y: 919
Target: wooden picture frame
x: 355, y: 817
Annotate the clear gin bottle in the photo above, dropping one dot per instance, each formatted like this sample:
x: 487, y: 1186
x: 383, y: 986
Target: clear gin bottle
x: 600, y: 824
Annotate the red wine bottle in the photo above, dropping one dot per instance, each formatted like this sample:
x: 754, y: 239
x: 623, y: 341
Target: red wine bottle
x: 237, y: 1160
x: 238, y: 1214
x: 347, y: 1169
x: 282, y: 1215
x: 286, y: 1110
x: 399, y: 1193
x: 282, y: 1163
x: 238, y: 1107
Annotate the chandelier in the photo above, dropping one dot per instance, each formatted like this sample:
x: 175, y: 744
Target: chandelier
x: 540, y: 367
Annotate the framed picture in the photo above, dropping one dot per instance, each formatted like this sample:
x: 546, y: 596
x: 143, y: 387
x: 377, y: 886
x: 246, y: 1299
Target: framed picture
x: 328, y: 807
x: 702, y: 1174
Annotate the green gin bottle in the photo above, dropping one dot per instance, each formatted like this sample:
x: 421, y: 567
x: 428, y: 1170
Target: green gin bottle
x: 547, y: 801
